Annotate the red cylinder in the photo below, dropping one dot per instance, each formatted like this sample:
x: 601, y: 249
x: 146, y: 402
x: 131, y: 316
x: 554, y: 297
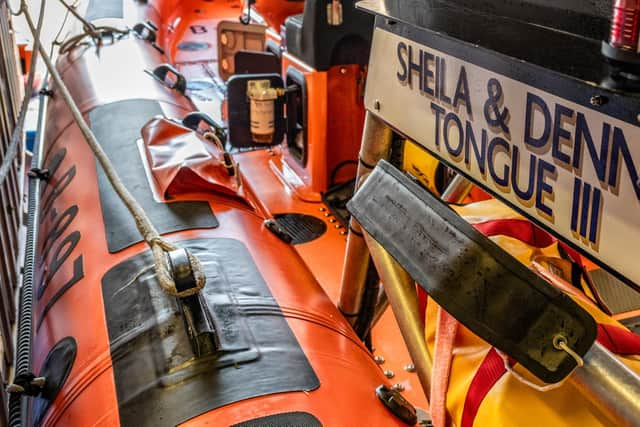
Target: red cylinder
x: 624, y: 25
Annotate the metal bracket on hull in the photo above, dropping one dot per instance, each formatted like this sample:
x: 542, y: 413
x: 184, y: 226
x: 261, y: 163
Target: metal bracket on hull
x: 197, y: 319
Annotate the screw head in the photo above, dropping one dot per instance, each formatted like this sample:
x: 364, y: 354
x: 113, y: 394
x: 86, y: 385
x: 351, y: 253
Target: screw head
x: 343, y: 70
x: 343, y: 233
x: 410, y: 367
x: 379, y: 360
x: 389, y: 374
x: 397, y: 387
x: 323, y: 209
x: 598, y: 100
x: 376, y: 105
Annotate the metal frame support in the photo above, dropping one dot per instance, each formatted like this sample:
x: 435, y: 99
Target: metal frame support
x: 610, y: 385
x: 376, y: 145
x: 403, y: 298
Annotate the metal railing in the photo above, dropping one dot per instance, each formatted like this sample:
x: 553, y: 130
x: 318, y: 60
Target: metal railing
x: 11, y: 190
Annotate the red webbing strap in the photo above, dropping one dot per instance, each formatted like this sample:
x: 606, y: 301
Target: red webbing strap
x: 490, y: 371
x: 526, y: 232
x: 492, y: 367
x: 446, y: 330
x: 422, y: 302
x: 529, y: 233
x: 519, y: 229
x: 614, y: 338
x: 618, y: 340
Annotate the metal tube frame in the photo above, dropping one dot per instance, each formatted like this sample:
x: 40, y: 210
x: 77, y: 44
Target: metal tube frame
x: 610, y: 385
x: 376, y: 144
x: 401, y: 291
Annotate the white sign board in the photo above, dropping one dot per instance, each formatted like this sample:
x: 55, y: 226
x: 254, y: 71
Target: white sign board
x: 568, y: 166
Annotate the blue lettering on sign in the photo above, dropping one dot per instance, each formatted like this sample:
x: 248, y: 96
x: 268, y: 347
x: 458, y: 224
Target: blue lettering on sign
x: 550, y: 128
x: 430, y: 73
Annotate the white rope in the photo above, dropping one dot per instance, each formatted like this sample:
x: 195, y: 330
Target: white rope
x: 559, y: 343
x: 151, y: 236
x: 95, y: 33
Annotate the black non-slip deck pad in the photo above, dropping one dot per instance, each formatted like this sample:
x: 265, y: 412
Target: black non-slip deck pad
x: 287, y: 419
x: 477, y: 282
x: 117, y: 127
x: 158, y: 380
x: 99, y: 9
x: 302, y: 228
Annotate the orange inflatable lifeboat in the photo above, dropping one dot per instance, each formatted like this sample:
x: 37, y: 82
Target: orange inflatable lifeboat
x: 260, y: 344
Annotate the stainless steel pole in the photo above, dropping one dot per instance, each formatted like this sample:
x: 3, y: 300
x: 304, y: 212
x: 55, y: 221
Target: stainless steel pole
x: 610, y: 385
x: 376, y: 144
x: 401, y: 291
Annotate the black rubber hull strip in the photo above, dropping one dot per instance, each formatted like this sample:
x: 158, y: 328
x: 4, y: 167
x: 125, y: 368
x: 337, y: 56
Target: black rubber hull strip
x: 158, y: 381
x: 117, y: 127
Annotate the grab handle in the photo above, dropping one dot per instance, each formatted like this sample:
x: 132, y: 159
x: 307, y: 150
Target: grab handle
x: 162, y: 71
x: 193, y: 120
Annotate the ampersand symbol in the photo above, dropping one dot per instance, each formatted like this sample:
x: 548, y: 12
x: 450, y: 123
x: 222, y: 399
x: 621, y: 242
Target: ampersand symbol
x: 492, y: 113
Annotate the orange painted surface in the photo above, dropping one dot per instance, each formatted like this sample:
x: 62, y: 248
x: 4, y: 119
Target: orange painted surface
x: 282, y: 185
x: 304, y: 279
x: 275, y: 12
x: 193, y: 21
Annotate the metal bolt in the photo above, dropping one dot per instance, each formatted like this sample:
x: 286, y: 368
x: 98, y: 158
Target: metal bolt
x: 343, y: 70
x: 389, y: 374
x: 343, y: 233
x: 376, y: 105
x: 323, y: 209
x: 338, y: 226
x: 397, y: 387
x: 327, y: 214
x: 332, y: 220
x: 410, y: 367
x: 598, y: 100
x: 379, y: 360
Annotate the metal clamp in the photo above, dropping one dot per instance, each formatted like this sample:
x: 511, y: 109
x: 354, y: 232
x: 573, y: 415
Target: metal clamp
x: 193, y: 120
x: 199, y: 323
x: 162, y: 71
x: 41, y: 174
x: 181, y: 270
x: 27, y: 384
x: 397, y: 404
x: 146, y: 30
